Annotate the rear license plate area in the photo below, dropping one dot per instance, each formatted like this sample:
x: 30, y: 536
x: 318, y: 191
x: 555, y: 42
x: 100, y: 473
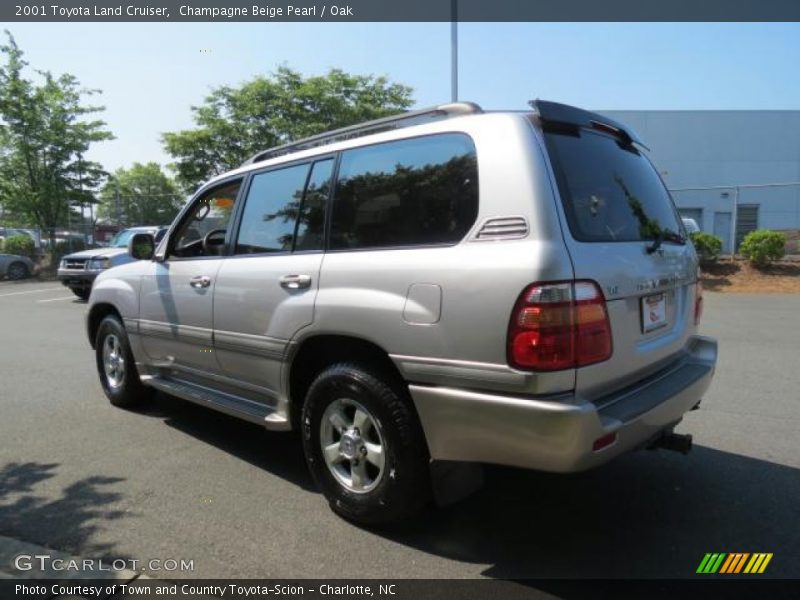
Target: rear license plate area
x: 654, y: 312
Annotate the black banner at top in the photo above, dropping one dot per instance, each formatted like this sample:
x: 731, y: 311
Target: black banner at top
x: 397, y: 10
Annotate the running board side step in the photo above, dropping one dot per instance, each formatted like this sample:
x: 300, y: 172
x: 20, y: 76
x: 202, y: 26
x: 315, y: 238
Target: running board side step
x: 229, y: 404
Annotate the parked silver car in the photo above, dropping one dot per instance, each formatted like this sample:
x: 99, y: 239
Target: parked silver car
x: 446, y: 287
x: 78, y: 270
x: 8, y: 232
x: 13, y: 266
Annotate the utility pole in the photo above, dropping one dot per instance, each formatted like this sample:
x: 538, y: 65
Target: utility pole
x: 69, y: 225
x: 454, y: 51
x: 734, y: 217
x: 116, y: 202
x: 80, y: 194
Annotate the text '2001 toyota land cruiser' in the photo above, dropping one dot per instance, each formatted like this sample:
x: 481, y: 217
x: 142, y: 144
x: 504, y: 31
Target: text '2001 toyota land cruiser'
x: 445, y: 285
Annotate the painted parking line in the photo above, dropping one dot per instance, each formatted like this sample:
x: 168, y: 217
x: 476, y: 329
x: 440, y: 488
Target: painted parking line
x: 52, y: 289
x: 30, y: 281
x: 57, y: 299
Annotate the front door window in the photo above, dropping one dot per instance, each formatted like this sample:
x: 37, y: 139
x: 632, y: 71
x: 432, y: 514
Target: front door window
x: 202, y: 232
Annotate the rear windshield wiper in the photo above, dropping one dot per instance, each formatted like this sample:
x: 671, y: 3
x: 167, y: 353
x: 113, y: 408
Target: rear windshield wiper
x: 665, y: 235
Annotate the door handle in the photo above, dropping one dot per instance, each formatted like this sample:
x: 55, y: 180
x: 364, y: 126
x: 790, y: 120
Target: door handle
x: 199, y: 282
x: 295, y: 282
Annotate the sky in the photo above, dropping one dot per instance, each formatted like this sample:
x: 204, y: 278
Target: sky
x: 151, y: 74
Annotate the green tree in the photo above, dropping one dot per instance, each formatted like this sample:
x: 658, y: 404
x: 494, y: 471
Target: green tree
x: 141, y: 195
x: 45, y: 128
x: 234, y: 123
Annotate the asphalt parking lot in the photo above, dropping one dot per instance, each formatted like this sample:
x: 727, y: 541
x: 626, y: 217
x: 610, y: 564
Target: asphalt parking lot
x: 178, y: 481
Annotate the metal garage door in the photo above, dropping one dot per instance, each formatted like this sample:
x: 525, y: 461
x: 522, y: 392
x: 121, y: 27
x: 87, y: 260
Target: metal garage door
x: 746, y: 221
x: 722, y: 229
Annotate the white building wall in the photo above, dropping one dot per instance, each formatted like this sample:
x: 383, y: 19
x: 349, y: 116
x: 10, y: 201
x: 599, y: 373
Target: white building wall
x: 725, y: 148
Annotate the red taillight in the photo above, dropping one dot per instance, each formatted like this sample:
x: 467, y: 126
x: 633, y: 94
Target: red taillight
x: 698, y: 301
x: 604, y: 441
x: 558, y: 326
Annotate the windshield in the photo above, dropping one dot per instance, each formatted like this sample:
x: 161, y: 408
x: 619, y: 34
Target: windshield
x: 610, y: 191
x: 121, y: 239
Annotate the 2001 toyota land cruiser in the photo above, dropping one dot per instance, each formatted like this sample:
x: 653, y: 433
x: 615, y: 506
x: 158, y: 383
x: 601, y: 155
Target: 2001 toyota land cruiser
x: 446, y: 285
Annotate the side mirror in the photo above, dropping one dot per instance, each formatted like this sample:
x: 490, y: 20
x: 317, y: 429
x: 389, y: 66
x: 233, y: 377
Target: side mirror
x: 141, y: 246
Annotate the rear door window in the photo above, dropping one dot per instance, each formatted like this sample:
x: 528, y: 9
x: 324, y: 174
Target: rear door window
x: 285, y: 209
x: 420, y: 191
x: 610, y: 190
x: 271, y: 210
x: 311, y: 216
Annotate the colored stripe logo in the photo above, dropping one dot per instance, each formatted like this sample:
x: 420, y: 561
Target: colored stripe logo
x: 734, y: 563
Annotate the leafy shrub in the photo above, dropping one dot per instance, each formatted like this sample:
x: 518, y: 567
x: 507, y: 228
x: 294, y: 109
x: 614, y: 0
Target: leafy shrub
x: 763, y: 246
x: 708, y: 246
x: 20, y: 244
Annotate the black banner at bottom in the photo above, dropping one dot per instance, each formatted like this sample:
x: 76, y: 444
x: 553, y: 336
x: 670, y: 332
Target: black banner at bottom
x: 398, y: 589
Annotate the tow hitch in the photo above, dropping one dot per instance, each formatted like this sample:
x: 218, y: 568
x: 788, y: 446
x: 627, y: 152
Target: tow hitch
x: 676, y: 442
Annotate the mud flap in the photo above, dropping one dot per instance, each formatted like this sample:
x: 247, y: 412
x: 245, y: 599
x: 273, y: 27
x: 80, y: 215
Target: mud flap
x: 452, y: 481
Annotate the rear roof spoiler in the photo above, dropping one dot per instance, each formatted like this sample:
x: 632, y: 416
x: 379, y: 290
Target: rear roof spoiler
x: 553, y: 112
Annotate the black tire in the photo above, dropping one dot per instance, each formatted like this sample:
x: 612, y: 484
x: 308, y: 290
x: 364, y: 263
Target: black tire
x: 128, y: 392
x: 17, y: 270
x: 404, y: 486
x: 82, y: 293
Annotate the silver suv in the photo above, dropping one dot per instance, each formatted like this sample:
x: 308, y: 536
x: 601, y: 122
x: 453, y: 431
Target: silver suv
x: 78, y: 270
x: 446, y: 287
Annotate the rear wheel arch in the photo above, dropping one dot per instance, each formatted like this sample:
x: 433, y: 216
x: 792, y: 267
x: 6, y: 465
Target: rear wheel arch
x: 320, y: 351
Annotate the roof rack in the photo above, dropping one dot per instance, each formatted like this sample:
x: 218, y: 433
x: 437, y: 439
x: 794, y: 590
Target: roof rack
x: 406, y: 119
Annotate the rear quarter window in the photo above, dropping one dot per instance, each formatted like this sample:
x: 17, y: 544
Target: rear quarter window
x: 420, y: 191
x: 609, y: 189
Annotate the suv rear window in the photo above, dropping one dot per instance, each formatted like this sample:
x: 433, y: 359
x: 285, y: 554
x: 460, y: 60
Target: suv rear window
x: 418, y: 191
x: 610, y: 190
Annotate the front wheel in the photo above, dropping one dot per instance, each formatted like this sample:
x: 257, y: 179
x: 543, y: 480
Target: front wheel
x: 82, y: 293
x: 364, y: 445
x: 116, y: 366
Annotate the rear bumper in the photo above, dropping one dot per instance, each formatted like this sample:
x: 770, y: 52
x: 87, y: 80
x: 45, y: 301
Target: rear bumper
x: 557, y: 434
x: 77, y: 278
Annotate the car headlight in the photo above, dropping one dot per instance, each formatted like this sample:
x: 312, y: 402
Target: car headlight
x: 98, y: 264
x: 63, y: 263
